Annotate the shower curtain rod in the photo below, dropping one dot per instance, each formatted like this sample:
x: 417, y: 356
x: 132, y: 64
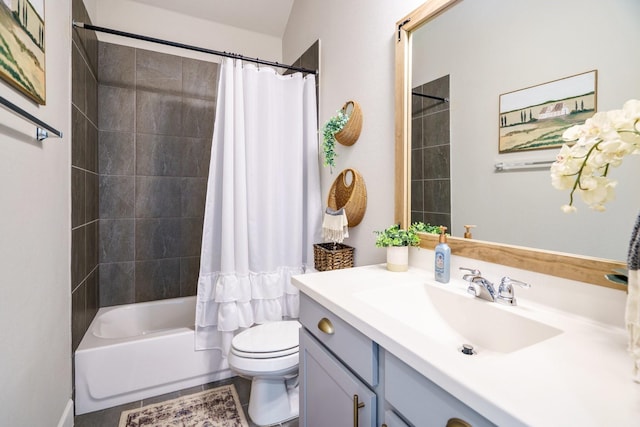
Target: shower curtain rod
x: 430, y: 96
x: 190, y: 47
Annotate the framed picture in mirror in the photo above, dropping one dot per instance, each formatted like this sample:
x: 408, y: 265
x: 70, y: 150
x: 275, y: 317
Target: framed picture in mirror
x: 535, y: 118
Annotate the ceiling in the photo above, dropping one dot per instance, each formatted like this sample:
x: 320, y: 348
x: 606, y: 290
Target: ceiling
x: 262, y: 16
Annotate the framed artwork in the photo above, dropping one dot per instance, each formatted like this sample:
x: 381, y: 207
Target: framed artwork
x: 22, y: 46
x: 535, y: 118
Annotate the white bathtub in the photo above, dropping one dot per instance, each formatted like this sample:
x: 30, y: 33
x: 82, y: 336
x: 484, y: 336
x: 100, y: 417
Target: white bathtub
x: 135, y: 351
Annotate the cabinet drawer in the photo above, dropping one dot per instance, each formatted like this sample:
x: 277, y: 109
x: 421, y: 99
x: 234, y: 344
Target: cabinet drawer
x: 349, y: 345
x: 420, y: 400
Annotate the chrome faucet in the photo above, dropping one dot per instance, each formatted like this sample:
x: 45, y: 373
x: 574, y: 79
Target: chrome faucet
x: 484, y: 289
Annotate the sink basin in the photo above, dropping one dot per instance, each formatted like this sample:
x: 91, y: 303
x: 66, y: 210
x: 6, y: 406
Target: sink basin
x: 458, y: 318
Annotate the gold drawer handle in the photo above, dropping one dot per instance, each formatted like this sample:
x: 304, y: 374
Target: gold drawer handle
x: 457, y: 422
x: 326, y: 326
x: 356, y: 406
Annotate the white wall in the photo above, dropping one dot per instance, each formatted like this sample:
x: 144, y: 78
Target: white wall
x: 142, y: 19
x: 35, y: 245
x: 356, y: 62
x: 491, y: 47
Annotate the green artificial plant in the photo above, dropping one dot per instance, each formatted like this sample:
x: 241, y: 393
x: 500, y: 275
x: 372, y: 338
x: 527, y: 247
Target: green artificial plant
x: 333, y: 126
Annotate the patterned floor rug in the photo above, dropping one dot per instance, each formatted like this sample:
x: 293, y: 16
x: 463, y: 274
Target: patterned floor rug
x: 218, y: 407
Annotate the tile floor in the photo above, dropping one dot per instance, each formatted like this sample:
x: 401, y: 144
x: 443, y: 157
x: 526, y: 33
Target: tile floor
x: 111, y: 417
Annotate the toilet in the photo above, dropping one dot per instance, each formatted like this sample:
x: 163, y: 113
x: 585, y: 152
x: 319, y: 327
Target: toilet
x: 268, y: 354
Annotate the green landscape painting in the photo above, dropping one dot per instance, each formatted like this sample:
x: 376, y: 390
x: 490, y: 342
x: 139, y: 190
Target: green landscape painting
x: 22, y: 55
x: 536, y: 117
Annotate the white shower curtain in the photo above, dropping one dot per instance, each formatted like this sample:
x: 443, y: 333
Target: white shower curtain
x: 263, y: 208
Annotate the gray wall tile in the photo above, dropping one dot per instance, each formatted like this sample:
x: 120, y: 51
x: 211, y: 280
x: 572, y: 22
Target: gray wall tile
x: 116, y: 153
x: 158, y: 113
x: 436, y: 129
x: 117, y: 108
x: 431, y: 202
x: 191, y: 236
x: 78, y: 256
x: 196, y: 155
x: 435, y: 162
x: 157, y: 279
x: 92, y: 297
x: 116, y: 240
x: 78, y: 137
x: 92, y: 241
x: 189, y: 273
x: 91, y: 196
x: 437, y: 195
x: 157, y: 238
x: 155, y: 70
x: 117, y: 285
x: 78, y: 316
x: 199, y: 79
x: 158, y: 197
x: 197, y: 117
x: 116, y: 65
x: 78, y: 195
x: 92, y: 97
x: 78, y: 79
x: 117, y: 197
x: 159, y: 155
x: 91, y: 161
x: 153, y: 171
x: 194, y: 195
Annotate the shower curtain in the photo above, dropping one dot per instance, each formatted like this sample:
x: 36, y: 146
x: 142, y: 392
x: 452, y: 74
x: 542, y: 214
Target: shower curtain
x: 263, y: 208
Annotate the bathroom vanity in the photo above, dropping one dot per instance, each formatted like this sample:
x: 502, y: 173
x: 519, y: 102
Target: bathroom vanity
x: 382, y: 348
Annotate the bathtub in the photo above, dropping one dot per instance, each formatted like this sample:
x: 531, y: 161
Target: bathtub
x: 135, y: 351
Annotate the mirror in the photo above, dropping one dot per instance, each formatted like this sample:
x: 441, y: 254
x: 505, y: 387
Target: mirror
x: 488, y: 48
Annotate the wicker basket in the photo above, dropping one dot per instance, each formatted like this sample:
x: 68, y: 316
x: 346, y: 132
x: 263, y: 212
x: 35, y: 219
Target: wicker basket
x: 352, y: 197
x: 351, y: 131
x: 332, y: 256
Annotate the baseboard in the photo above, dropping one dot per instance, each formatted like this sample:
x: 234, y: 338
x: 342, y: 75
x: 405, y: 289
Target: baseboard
x: 66, y: 420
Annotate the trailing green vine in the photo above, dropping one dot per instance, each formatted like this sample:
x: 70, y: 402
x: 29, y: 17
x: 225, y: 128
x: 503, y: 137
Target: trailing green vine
x: 333, y: 126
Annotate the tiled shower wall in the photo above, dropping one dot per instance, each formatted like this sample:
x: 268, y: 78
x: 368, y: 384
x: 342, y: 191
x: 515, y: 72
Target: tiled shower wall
x: 430, y: 155
x: 84, y: 176
x: 155, y: 121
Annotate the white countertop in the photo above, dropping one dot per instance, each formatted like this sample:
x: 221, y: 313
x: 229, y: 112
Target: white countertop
x: 579, y: 377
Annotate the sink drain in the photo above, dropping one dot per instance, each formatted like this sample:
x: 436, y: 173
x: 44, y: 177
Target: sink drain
x: 467, y: 349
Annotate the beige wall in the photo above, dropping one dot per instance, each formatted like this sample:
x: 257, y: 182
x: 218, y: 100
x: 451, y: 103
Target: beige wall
x: 356, y: 60
x: 35, y: 312
x: 140, y: 18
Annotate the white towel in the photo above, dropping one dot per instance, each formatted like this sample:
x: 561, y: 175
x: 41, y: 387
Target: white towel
x: 632, y: 312
x: 335, y: 227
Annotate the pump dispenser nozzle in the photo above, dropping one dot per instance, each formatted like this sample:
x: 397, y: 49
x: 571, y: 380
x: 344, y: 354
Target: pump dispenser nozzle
x: 443, y: 236
x: 467, y: 232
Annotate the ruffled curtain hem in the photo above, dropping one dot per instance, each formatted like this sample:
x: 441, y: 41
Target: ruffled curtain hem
x: 228, y: 302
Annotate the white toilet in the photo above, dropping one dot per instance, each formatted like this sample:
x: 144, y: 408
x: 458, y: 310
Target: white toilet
x: 268, y: 353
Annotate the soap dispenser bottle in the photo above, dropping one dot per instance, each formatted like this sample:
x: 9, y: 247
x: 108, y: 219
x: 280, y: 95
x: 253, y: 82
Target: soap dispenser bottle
x: 443, y: 258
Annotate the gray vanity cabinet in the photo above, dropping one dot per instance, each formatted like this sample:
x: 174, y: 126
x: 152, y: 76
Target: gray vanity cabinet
x: 343, y: 377
x: 330, y: 395
x: 338, y: 371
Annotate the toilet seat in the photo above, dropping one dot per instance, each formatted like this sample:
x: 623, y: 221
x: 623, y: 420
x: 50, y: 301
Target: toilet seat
x: 267, y: 341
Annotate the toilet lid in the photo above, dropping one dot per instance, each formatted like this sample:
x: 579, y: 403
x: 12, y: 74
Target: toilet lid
x: 268, y: 337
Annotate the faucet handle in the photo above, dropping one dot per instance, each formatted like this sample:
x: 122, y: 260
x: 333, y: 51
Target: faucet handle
x: 506, y: 294
x: 472, y: 273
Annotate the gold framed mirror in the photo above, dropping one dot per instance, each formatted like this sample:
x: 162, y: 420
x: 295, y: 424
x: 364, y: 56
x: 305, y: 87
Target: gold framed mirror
x: 581, y: 268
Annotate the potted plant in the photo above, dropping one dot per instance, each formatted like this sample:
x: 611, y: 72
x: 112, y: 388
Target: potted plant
x: 397, y: 242
x: 333, y: 126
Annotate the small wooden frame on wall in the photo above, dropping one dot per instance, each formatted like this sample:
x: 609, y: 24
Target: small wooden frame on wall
x: 22, y: 50
x: 535, y: 118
